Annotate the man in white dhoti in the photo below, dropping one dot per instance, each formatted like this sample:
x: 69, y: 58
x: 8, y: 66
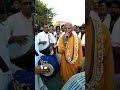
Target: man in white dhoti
x: 20, y: 33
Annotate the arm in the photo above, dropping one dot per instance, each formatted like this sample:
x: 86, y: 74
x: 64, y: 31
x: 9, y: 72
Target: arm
x: 61, y: 46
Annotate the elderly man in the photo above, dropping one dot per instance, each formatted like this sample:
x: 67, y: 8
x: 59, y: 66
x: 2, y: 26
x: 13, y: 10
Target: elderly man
x: 70, y: 48
x: 99, y: 70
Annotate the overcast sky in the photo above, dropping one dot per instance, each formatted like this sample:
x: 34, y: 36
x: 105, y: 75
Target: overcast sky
x: 68, y: 10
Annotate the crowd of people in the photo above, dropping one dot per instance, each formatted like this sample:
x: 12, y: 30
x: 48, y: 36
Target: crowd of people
x: 87, y: 55
x: 52, y: 41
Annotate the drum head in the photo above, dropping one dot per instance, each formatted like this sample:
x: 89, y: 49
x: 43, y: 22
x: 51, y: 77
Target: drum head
x: 51, y: 69
x: 52, y: 63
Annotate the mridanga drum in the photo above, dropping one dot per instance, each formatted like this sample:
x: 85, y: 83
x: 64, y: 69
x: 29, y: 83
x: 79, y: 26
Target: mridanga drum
x: 50, y: 62
x: 22, y: 80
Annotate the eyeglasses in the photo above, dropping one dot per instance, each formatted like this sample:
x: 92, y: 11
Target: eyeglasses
x: 26, y: 3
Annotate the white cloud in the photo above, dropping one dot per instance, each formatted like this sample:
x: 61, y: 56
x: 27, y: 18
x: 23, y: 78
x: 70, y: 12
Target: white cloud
x: 68, y: 10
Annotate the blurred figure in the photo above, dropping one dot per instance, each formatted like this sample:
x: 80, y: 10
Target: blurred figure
x: 115, y: 13
x: 58, y: 33
x: 6, y: 67
x: 99, y: 67
x: 15, y: 8
x: 77, y: 30
x: 20, y: 34
x: 116, y: 45
x: 52, y: 30
x: 103, y: 13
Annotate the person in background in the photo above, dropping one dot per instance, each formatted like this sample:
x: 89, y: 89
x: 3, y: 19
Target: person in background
x: 115, y: 13
x: 15, y: 8
x: 19, y: 29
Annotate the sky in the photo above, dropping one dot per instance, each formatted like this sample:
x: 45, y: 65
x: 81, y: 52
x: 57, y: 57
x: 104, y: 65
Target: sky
x: 68, y: 10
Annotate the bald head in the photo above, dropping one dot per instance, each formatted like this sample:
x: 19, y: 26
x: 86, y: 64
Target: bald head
x: 69, y: 27
x: 68, y: 23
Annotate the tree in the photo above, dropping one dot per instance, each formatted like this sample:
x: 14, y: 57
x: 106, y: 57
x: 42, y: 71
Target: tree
x: 43, y: 15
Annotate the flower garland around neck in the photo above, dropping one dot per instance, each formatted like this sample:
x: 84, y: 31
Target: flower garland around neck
x: 67, y: 53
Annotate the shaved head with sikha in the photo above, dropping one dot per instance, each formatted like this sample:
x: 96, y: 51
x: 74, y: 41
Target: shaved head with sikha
x: 68, y: 28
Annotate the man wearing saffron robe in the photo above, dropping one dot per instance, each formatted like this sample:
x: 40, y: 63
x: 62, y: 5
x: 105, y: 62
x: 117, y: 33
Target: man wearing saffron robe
x: 71, y: 53
x: 99, y: 70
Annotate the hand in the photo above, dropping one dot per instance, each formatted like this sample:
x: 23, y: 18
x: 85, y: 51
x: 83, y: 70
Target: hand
x: 42, y: 42
x: 21, y: 40
x: 67, y: 34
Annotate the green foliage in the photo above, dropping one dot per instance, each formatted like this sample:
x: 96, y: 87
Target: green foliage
x: 43, y: 15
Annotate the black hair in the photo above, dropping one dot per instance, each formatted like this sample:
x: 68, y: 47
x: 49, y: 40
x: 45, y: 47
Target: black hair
x: 57, y: 27
x: 62, y: 25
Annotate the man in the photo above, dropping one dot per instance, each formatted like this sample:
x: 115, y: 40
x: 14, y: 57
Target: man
x: 15, y: 8
x: 20, y: 33
x: 46, y: 41
x: 39, y: 45
x: 52, y: 30
x: 58, y: 33
x: 71, y: 53
x: 103, y: 14
x: 39, y: 85
x: 99, y: 70
x: 115, y: 36
x: 6, y: 67
x: 115, y: 13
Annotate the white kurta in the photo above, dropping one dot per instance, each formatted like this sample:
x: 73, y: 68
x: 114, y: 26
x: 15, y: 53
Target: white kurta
x: 17, y: 25
x: 49, y: 38
x: 39, y: 85
x: 115, y: 36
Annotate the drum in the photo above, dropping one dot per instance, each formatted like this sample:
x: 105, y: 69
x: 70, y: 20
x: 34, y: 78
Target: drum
x: 76, y: 82
x: 51, y: 63
x: 23, y: 80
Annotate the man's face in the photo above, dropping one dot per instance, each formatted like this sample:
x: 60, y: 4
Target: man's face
x: 16, y: 4
x: 103, y: 10
x: 77, y: 30
x: 68, y: 28
x: 26, y: 6
x: 115, y: 10
x: 45, y: 28
x: 52, y: 28
x: 95, y: 5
